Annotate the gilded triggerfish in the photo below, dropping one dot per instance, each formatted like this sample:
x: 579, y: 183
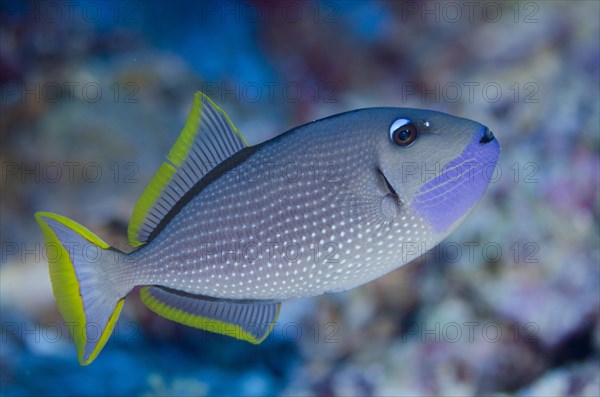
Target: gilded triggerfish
x: 226, y: 231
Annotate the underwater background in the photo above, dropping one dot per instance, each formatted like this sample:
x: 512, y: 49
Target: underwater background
x: 93, y: 94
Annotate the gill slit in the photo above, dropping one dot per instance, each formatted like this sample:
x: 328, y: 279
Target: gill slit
x: 388, y: 185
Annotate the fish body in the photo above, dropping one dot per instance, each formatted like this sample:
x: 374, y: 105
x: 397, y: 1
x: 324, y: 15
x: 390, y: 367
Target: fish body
x: 226, y: 231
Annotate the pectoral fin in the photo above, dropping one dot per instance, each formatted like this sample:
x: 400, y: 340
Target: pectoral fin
x: 251, y: 321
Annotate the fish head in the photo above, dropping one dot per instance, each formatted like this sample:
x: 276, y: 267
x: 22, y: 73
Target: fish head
x: 437, y: 165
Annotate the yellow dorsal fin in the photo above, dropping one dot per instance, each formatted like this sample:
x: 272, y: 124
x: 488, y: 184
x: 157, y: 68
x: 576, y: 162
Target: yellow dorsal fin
x: 207, y: 140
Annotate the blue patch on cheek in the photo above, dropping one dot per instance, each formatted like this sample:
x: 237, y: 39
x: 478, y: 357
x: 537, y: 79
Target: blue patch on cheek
x: 461, y: 183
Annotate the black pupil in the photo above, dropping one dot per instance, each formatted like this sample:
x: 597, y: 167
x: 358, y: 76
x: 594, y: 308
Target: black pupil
x: 404, y: 135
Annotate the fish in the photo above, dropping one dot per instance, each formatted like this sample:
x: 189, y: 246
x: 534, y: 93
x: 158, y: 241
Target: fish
x: 226, y: 231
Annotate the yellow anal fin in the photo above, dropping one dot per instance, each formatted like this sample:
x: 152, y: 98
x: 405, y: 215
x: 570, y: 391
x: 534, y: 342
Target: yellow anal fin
x: 249, y: 321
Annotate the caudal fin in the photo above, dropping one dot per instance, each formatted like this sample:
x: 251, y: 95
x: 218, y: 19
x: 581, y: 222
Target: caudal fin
x: 87, y: 282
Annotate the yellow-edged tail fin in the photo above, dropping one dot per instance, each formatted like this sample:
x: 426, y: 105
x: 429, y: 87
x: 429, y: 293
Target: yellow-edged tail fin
x: 87, y: 282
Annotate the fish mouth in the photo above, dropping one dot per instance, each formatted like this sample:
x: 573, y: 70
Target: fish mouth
x: 487, y: 137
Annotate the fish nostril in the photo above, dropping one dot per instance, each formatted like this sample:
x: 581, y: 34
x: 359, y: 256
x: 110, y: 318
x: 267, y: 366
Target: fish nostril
x: 488, y: 136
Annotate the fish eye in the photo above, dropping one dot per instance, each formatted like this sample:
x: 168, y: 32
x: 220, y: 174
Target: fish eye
x: 403, y: 132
